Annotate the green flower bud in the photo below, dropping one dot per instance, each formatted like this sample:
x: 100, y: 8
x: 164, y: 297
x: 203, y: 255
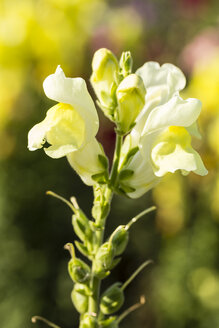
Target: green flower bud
x: 131, y: 99
x: 78, y: 270
x: 103, y: 260
x: 119, y: 240
x: 109, y: 323
x: 112, y: 299
x: 104, y: 66
x: 81, y: 226
x: 88, y: 321
x: 125, y: 63
x: 79, y: 296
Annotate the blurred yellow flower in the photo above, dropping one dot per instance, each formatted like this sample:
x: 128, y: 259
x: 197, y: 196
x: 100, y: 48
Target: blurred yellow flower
x: 205, y: 85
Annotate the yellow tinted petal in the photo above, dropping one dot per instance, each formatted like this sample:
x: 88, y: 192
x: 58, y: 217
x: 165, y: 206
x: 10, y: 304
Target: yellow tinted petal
x: 173, y: 151
x: 65, y: 127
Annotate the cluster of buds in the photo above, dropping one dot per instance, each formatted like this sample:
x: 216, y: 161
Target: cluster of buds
x: 157, y: 122
x: 121, y: 94
x: 104, y: 258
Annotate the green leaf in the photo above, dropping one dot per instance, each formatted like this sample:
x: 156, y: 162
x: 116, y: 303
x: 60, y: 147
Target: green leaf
x: 132, y: 152
x: 82, y: 228
x: 82, y: 248
x: 113, y: 91
x: 115, y: 262
x: 103, y: 161
x: 129, y: 155
x: 126, y: 189
x: 125, y: 174
x: 101, y: 178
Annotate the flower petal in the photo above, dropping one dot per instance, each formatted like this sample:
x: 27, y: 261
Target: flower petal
x: 153, y: 75
x: 143, y: 178
x: 176, y: 112
x: 73, y: 91
x: 161, y: 83
x: 194, y: 130
x: 65, y: 127
x: 85, y: 161
x: 36, y: 136
x: 59, y: 151
x: 173, y: 151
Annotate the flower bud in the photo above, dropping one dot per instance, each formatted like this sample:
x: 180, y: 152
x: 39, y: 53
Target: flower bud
x: 103, y: 260
x: 125, y: 63
x: 131, y: 99
x: 78, y: 270
x: 88, y: 321
x: 112, y: 299
x: 119, y: 240
x: 79, y: 297
x: 81, y: 226
x: 104, y: 66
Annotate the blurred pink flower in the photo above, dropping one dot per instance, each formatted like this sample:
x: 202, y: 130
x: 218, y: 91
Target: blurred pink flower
x: 200, y: 49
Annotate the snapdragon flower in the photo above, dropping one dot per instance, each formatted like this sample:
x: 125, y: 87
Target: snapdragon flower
x: 70, y: 126
x: 162, y: 130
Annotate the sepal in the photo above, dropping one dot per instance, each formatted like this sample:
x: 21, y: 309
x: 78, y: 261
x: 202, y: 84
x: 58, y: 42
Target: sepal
x: 81, y: 226
x: 109, y: 323
x: 83, y: 249
x: 88, y: 321
x: 125, y: 174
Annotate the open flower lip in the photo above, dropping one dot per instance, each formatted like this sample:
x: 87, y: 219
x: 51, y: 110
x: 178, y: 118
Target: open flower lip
x: 70, y: 124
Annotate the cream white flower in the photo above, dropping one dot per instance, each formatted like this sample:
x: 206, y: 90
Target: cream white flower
x: 162, y: 129
x: 70, y: 124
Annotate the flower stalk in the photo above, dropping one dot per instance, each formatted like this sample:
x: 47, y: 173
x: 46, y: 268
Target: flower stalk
x: 153, y: 137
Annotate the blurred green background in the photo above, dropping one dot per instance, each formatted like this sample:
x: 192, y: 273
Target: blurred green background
x: 182, y: 237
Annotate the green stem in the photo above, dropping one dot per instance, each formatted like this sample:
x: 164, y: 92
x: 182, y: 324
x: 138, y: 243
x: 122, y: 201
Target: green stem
x: 114, y: 171
x: 95, y: 281
x: 137, y: 217
x: 146, y: 263
x: 101, y: 222
x: 53, y: 194
x: 131, y: 309
x: 49, y: 323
